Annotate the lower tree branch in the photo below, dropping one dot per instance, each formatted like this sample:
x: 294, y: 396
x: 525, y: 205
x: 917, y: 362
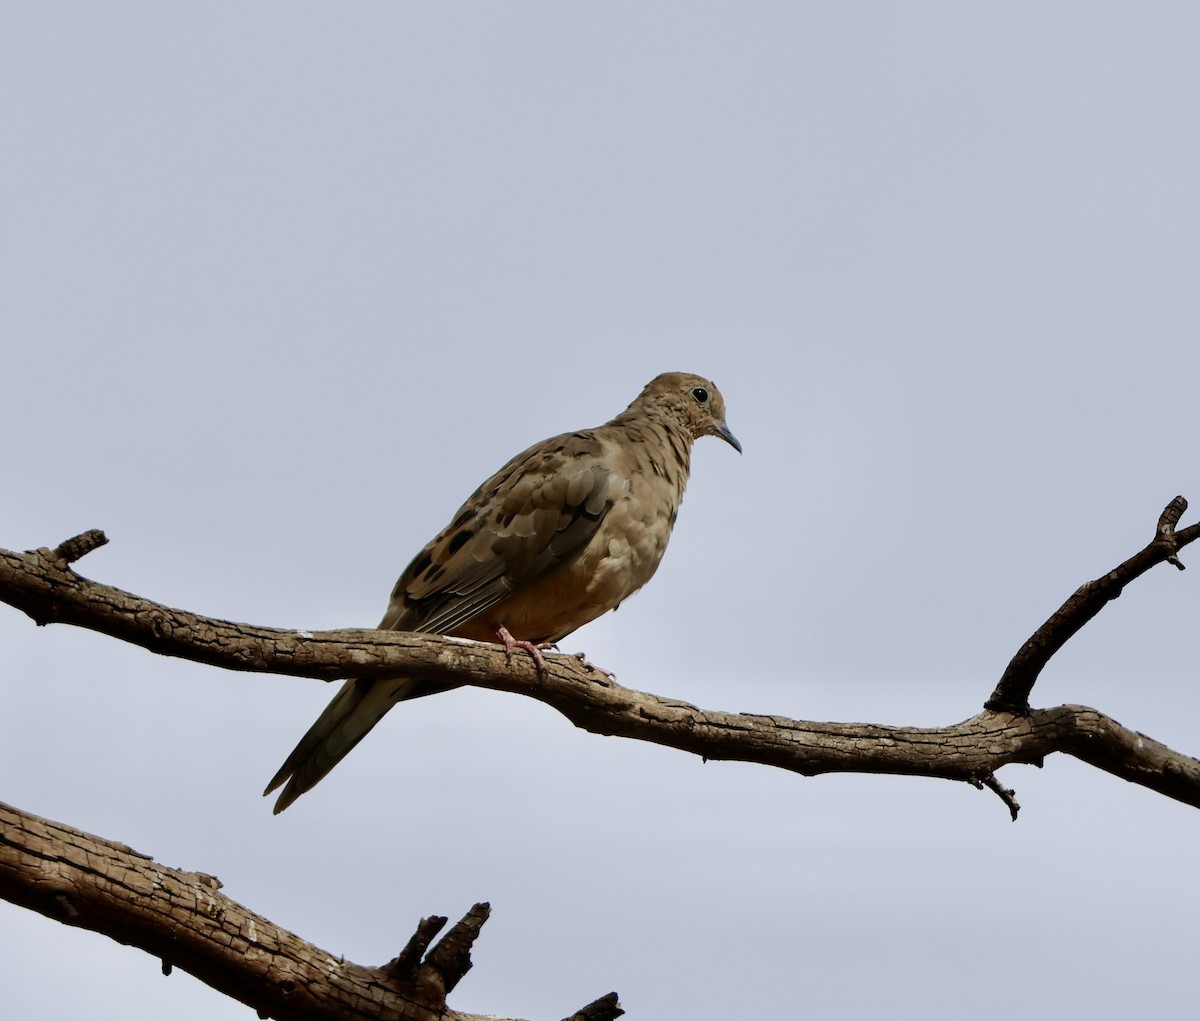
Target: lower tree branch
x: 184, y: 919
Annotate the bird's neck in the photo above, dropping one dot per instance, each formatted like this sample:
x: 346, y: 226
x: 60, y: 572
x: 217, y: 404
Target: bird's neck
x: 664, y: 435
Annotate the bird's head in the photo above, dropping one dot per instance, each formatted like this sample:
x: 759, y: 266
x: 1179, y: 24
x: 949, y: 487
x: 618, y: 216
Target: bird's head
x: 696, y: 401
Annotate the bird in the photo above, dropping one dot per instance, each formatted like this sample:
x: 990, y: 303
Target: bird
x: 564, y: 532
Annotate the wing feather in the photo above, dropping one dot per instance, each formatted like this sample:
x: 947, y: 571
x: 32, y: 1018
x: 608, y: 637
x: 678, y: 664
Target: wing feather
x: 529, y: 517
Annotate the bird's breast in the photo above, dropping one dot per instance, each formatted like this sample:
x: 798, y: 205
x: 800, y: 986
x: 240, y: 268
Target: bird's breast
x: 618, y: 560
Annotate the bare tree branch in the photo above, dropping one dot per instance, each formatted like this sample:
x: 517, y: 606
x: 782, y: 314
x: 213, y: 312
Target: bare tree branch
x: 41, y: 584
x: 1012, y: 692
x: 184, y: 919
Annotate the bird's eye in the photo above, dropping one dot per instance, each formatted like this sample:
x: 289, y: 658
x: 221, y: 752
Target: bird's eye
x: 701, y: 395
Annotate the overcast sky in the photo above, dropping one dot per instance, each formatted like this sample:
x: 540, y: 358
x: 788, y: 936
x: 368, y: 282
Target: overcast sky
x: 283, y: 282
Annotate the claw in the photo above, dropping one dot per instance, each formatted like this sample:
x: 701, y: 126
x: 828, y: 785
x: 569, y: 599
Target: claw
x: 504, y: 636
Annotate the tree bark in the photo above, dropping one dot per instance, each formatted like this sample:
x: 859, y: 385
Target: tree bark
x: 182, y: 917
x: 42, y: 584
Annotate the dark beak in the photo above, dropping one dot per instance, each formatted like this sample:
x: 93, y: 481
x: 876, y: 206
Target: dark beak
x: 728, y: 437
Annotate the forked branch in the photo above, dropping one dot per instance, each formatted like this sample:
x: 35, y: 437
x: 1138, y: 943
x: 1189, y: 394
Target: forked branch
x: 181, y: 917
x: 42, y: 584
x: 184, y: 919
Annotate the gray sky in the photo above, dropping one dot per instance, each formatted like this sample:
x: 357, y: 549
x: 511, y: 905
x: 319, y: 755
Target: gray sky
x: 284, y: 282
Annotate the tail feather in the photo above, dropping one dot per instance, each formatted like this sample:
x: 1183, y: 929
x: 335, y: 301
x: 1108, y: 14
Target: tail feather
x: 354, y: 710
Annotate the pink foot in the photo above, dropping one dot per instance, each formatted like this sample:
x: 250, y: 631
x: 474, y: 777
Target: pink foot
x: 504, y: 636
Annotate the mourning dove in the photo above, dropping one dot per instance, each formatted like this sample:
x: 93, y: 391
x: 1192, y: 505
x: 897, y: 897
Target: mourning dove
x: 564, y: 532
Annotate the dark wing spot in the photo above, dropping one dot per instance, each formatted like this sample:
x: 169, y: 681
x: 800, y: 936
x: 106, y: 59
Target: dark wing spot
x: 467, y: 514
x: 459, y: 541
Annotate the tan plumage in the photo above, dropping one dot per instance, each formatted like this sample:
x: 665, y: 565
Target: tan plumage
x: 564, y: 532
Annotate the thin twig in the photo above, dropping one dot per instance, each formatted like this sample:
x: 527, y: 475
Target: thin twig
x: 1005, y: 794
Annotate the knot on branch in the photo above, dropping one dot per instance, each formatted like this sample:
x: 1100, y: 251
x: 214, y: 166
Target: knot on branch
x: 62, y: 906
x: 1166, y: 530
x: 439, y: 971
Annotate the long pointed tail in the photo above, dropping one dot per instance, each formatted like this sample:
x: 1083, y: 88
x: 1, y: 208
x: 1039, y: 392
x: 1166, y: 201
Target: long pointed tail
x: 354, y: 710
